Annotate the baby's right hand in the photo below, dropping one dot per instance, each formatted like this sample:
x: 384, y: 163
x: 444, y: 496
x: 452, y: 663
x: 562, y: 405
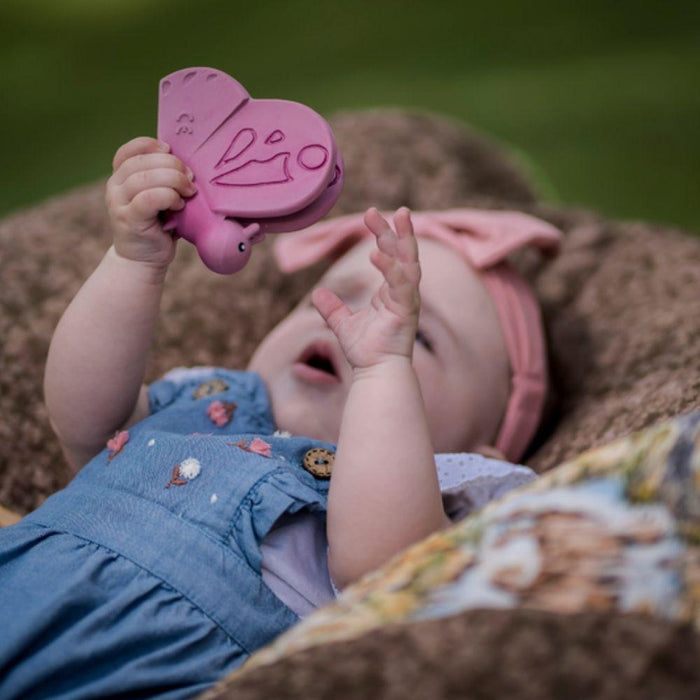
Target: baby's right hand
x: 146, y: 180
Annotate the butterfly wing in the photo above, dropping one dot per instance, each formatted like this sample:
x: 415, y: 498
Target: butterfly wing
x: 269, y: 159
x: 192, y: 104
x: 310, y: 214
x: 255, y: 162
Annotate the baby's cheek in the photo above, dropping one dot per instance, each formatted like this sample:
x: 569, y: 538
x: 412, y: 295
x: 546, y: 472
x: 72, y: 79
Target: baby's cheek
x: 451, y: 411
x: 431, y: 378
x: 265, y: 358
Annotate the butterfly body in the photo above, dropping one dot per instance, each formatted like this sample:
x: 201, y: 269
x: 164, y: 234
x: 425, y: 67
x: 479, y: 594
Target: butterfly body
x: 261, y: 166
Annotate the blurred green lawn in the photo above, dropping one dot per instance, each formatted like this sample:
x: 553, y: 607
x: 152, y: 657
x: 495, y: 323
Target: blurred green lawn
x: 601, y: 97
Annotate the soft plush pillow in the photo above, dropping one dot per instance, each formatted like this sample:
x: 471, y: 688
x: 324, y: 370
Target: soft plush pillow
x: 489, y: 655
x: 623, y: 315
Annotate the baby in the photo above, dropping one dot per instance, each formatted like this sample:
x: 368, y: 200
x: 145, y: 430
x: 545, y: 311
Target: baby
x: 210, y: 523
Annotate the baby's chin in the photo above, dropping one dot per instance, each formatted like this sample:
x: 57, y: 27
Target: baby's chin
x: 307, y: 428
x: 302, y: 420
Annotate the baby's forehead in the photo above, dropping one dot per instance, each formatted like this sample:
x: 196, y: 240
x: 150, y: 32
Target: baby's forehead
x: 444, y: 269
x: 452, y: 293
x: 448, y: 282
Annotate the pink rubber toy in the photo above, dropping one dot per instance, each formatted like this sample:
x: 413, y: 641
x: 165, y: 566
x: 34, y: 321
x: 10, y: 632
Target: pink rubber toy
x: 260, y: 166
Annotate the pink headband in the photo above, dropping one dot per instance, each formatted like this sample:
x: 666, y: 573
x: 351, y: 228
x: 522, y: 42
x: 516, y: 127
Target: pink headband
x: 484, y: 239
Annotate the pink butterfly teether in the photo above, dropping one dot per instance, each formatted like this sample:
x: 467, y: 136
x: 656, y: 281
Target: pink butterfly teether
x: 260, y: 166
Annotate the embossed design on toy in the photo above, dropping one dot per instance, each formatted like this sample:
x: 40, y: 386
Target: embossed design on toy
x: 185, y: 128
x: 248, y: 185
x: 275, y: 137
x: 254, y: 173
x: 274, y: 170
x: 312, y: 157
x: 243, y: 140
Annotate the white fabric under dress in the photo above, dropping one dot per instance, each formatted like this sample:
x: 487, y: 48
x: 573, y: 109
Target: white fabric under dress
x: 294, y: 553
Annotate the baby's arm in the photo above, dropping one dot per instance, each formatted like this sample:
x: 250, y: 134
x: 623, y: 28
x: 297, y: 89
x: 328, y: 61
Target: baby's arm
x: 97, y: 358
x: 384, y: 493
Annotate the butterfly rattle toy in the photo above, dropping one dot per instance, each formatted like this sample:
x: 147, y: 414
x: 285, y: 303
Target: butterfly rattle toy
x: 260, y: 166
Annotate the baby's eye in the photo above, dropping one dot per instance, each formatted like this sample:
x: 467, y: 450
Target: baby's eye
x: 423, y: 339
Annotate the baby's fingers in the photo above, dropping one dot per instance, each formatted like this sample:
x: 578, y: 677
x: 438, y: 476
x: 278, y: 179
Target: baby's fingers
x: 331, y: 307
x: 407, y: 245
x: 150, y: 179
x: 390, y: 269
x: 377, y: 224
x: 148, y: 161
x: 148, y: 203
x: 137, y: 146
x: 402, y: 281
x: 402, y: 243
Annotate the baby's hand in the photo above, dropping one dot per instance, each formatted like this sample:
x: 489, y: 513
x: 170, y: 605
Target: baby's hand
x: 146, y: 180
x: 387, y: 327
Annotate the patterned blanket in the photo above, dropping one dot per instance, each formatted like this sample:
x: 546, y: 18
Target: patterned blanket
x: 616, y: 529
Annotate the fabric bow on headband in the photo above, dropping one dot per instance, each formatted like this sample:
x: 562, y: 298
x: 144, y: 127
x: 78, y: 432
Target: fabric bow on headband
x: 484, y: 239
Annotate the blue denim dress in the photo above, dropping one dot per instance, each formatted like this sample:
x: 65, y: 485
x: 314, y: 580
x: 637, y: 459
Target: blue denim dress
x: 142, y: 577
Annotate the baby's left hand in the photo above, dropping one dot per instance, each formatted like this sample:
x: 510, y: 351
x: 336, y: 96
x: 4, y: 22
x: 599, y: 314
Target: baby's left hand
x: 387, y: 327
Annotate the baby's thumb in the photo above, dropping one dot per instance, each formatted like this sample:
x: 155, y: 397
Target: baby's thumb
x: 330, y: 306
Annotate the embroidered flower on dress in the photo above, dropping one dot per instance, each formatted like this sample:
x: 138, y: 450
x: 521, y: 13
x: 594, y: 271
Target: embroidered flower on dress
x: 220, y: 412
x: 116, y: 443
x: 256, y: 445
x: 190, y: 468
x: 186, y: 471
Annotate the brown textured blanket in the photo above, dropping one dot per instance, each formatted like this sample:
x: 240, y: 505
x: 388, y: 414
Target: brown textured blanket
x: 621, y: 305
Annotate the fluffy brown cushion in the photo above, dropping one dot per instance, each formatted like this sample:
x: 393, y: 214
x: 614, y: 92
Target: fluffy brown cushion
x: 621, y: 302
x: 623, y: 314
x: 486, y: 654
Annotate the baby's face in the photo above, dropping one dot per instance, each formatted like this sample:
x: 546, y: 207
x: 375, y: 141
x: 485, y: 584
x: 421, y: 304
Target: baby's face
x: 460, y: 355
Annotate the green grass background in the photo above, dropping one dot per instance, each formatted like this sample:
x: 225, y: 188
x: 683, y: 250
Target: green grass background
x: 602, y: 97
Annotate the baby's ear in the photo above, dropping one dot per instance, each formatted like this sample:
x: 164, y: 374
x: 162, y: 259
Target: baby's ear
x: 490, y: 451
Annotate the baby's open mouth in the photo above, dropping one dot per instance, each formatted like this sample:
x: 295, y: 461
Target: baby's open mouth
x: 317, y: 364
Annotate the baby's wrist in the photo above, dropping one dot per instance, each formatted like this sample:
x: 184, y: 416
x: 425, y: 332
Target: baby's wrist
x: 385, y: 367
x: 148, y: 272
